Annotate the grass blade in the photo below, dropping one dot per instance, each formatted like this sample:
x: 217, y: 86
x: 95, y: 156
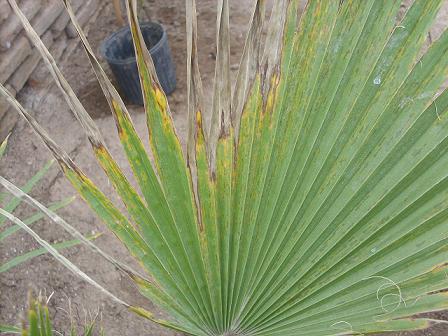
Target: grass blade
x: 14, y: 203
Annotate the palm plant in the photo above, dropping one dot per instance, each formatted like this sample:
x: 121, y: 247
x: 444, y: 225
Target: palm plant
x: 315, y: 203
x: 39, y: 322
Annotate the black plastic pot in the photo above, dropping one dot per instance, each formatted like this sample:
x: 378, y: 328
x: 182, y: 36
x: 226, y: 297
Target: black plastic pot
x: 118, y: 50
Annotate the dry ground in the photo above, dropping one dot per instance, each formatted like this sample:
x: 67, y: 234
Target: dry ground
x: 26, y: 155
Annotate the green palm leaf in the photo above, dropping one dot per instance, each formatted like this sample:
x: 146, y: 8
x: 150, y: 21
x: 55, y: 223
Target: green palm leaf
x: 315, y: 203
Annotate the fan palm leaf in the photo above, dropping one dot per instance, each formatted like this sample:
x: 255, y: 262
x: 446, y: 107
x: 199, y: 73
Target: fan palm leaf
x: 315, y: 203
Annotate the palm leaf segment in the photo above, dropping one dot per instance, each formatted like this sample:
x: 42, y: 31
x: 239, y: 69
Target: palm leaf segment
x: 316, y: 203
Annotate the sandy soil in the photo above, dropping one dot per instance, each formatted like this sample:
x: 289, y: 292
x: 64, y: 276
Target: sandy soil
x: 26, y: 155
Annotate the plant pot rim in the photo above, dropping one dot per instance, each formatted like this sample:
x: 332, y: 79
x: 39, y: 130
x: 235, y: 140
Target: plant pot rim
x: 132, y: 59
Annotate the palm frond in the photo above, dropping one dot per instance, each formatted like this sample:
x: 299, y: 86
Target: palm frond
x: 316, y: 203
